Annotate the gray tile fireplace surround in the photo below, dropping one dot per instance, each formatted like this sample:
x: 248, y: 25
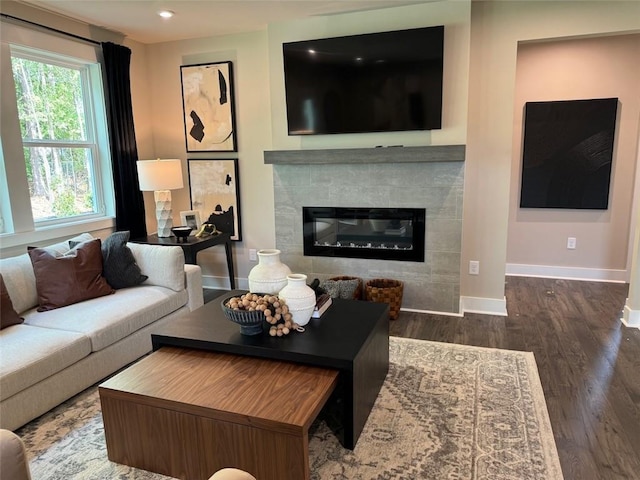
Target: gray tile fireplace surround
x: 416, y: 177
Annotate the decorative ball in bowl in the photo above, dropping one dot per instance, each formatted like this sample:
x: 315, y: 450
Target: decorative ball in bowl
x: 250, y: 321
x: 182, y: 232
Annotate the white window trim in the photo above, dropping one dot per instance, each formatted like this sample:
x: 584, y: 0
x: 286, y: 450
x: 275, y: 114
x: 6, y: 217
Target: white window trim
x: 15, y: 209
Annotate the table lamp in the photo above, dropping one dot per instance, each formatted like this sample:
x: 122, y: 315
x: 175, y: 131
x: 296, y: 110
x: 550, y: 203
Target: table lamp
x: 160, y: 177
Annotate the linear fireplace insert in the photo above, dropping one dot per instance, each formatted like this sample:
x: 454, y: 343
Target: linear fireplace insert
x: 377, y: 233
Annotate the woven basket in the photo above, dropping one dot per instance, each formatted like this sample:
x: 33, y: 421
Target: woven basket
x: 384, y: 290
x: 357, y: 294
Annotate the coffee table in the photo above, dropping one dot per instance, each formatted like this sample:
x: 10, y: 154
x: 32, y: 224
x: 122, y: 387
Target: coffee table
x: 187, y: 413
x: 351, y: 337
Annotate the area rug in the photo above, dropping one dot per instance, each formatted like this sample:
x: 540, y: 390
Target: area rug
x: 445, y: 411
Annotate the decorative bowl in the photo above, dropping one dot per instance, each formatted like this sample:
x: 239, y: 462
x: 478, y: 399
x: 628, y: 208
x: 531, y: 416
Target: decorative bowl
x: 182, y: 232
x: 250, y: 322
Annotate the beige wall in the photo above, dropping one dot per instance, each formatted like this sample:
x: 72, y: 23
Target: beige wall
x: 259, y: 93
x: 601, y: 67
x: 485, y: 59
x: 248, y: 52
x: 496, y: 30
x: 455, y: 16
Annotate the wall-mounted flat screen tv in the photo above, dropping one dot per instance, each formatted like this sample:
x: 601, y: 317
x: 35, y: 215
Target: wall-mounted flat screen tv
x: 377, y: 82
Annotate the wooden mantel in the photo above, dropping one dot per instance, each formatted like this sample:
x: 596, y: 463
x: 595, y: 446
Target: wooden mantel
x: 434, y: 153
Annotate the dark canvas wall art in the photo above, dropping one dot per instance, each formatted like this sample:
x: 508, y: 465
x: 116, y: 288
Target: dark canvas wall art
x: 567, y: 153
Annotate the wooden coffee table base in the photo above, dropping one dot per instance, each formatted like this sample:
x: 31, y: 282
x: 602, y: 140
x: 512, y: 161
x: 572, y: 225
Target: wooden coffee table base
x: 188, y: 413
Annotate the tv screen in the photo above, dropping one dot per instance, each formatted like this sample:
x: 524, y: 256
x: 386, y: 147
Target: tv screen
x: 377, y: 82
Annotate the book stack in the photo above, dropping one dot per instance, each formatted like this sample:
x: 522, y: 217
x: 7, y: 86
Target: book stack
x: 323, y: 302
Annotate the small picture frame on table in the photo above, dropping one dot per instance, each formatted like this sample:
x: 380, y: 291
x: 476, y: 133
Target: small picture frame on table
x: 191, y: 218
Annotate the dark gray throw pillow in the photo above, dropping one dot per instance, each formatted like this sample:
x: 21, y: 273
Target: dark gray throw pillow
x: 119, y: 266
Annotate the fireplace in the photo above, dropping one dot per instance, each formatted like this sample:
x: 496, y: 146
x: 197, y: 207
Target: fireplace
x: 371, y: 233
x: 429, y: 177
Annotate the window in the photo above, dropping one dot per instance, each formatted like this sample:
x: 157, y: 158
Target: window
x: 55, y: 164
x: 58, y: 135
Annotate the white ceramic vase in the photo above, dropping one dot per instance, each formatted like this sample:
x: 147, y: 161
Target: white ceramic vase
x: 270, y: 274
x: 299, y: 297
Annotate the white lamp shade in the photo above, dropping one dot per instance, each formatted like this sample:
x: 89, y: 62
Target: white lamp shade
x: 159, y: 175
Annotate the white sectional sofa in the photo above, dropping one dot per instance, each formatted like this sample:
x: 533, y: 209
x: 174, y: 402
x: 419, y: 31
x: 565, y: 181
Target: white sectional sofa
x: 58, y: 353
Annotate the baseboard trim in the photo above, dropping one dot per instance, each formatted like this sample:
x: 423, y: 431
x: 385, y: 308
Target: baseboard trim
x: 485, y: 306
x: 630, y: 318
x: 432, y: 312
x: 222, y: 283
x: 566, y: 273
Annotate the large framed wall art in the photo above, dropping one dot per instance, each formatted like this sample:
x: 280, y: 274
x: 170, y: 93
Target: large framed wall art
x: 215, y: 193
x: 567, y: 153
x: 208, y: 104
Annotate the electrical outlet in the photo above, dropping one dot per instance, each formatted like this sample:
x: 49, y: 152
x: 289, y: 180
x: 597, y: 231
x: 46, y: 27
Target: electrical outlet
x: 474, y: 267
x: 253, y: 255
x: 571, y: 243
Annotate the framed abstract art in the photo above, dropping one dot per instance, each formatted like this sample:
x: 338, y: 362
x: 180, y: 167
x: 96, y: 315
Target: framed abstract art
x: 567, y: 153
x: 208, y: 106
x: 215, y: 193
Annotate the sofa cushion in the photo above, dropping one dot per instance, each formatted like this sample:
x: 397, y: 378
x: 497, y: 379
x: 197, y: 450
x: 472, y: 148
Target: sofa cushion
x: 20, y: 282
x: 20, y: 279
x: 106, y: 320
x: 119, y: 266
x: 70, y: 278
x: 31, y: 354
x: 8, y: 315
x: 164, y: 265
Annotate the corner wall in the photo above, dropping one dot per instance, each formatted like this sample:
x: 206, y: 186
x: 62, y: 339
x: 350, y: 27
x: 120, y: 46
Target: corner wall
x: 496, y: 29
x: 601, y: 67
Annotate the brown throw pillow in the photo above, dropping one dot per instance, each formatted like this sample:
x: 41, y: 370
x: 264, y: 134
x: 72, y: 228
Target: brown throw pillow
x: 8, y: 315
x: 71, y: 278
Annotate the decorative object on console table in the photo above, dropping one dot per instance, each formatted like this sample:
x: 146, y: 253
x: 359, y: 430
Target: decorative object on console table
x: 384, y: 290
x: 300, y: 298
x: 182, y: 232
x: 160, y: 177
x: 191, y: 218
x: 208, y: 105
x: 270, y: 274
x: 215, y: 190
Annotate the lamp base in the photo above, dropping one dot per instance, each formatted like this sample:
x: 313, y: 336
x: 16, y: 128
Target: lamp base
x: 163, y: 213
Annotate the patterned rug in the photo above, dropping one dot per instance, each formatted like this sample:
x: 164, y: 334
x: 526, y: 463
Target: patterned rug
x: 445, y: 412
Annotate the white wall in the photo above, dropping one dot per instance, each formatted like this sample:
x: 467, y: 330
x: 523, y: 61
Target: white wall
x: 601, y: 67
x: 496, y: 29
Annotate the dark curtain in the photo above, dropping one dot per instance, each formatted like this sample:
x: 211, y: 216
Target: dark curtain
x: 124, y: 154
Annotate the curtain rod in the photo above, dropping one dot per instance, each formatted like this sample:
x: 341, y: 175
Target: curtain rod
x: 61, y: 32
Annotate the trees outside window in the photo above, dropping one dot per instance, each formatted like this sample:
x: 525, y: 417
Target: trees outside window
x: 58, y: 135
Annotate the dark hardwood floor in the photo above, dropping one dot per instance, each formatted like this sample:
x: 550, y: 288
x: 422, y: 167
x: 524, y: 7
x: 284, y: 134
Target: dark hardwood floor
x: 589, y: 365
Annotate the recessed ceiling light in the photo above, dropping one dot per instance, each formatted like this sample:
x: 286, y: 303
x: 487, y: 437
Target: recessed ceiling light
x: 165, y: 13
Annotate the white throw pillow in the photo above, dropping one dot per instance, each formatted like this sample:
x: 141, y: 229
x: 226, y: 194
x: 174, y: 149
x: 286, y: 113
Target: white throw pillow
x: 164, y: 265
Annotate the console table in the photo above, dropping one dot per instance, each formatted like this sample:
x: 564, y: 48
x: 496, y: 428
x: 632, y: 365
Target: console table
x: 351, y: 337
x: 193, y: 245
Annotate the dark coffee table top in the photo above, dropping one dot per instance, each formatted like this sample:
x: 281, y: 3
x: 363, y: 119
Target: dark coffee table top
x: 332, y: 341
